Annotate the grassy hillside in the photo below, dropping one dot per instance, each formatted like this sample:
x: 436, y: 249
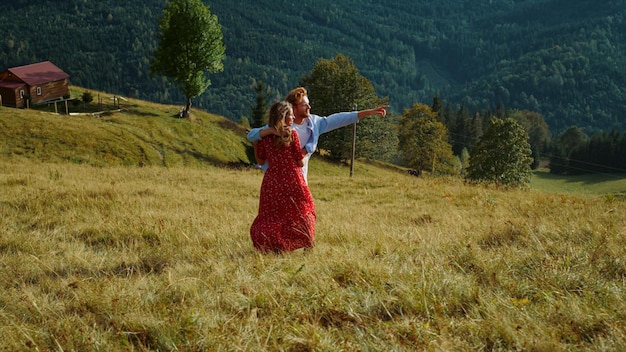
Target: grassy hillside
x: 135, y: 133
x: 97, y: 254
x: 140, y: 133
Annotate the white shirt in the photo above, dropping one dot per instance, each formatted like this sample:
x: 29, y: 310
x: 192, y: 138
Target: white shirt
x: 304, y: 134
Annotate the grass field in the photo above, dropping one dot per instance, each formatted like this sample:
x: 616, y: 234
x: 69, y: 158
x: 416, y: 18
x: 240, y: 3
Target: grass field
x: 100, y: 252
x: 593, y: 184
x: 154, y: 258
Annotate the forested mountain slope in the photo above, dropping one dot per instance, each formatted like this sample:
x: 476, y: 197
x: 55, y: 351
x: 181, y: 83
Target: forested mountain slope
x: 562, y: 58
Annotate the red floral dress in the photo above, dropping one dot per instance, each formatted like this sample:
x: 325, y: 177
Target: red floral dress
x: 286, y: 219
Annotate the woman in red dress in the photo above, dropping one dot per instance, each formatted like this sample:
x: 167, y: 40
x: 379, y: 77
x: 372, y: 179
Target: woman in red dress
x: 286, y: 219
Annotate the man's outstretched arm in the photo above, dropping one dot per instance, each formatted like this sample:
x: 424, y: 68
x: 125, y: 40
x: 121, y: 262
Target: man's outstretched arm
x: 381, y: 110
x: 341, y: 119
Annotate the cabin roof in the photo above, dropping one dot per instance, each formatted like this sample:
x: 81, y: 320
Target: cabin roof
x: 38, y: 73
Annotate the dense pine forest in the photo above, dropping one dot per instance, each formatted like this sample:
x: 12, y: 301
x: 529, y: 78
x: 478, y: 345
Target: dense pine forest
x: 563, y: 59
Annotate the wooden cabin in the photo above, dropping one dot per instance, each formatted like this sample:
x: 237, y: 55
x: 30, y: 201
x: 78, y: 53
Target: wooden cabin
x: 43, y: 82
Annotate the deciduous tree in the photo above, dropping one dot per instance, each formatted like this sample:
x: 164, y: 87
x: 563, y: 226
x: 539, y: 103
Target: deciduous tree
x: 537, y: 130
x: 424, y: 141
x: 336, y: 85
x: 190, y: 47
x: 502, y: 155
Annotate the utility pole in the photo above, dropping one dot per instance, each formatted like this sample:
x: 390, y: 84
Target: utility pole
x: 353, y: 143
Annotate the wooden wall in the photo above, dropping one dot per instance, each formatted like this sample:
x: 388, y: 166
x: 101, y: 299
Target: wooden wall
x: 11, y: 97
x: 49, y: 91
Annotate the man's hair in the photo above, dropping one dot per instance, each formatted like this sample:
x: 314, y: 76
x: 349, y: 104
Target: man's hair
x: 295, y: 96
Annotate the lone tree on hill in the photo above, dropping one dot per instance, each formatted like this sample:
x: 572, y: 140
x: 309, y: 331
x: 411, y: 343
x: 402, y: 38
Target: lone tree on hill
x: 502, y: 155
x: 190, y: 47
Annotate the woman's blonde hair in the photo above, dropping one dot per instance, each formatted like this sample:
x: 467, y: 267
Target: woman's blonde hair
x: 277, y: 115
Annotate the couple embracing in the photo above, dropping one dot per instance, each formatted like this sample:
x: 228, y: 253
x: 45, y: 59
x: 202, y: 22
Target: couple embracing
x: 286, y: 218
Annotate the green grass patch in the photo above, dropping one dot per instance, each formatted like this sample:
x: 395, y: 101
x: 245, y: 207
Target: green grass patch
x: 593, y: 184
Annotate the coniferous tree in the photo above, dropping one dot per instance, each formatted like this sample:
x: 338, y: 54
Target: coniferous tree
x: 437, y: 105
x: 476, y: 130
x: 500, y: 111
x: 570, y: 144
x: 461, y: 130
x: 259, y: 110
x: 621, y: 152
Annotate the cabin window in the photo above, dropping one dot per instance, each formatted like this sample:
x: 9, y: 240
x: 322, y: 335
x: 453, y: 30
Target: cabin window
x: 38, y: 90
x: 22, y: 93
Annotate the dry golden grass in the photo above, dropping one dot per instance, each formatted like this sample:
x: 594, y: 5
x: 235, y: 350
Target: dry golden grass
x: 155, y: 258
